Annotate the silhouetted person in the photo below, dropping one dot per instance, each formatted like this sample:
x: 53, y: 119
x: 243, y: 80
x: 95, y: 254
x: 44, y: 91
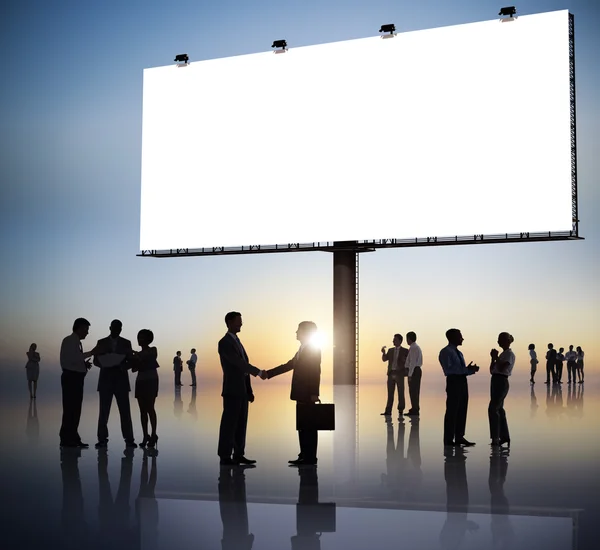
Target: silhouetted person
x: 457, y: 523
x: 145, y: 363
x: 579, y: 366
x: 177, y: 403
x: 32, y: 368
x: 306, y: 382
x: 236, y: 393
x: 550, y: 364
x: 146, y: 505
x: 394, y: 456
x: 192, y: 406
x: 33, y: 424
x: 74, y: 368
x: 396, y: 373
x: 502, y: 531
x: 113, y: 381
x: 234, y: 510
x: 457, y: 389
x: 113, y: 516
x: 560, y: 357
x: 178, y: 368
x: 414, y: 361
x: 571, y: 359
x: 533, y: 407
x: 191, y: 363
x: 501, y: 367
x: 73, y: 523
x: 533, y: 361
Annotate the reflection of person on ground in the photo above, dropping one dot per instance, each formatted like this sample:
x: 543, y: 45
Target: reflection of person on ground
x: 146, y: 505
x: 74, y: 526
x: 457, y: 389
x: 234, y: 510
x: 192, y: 406
x: 579, y: 366
x: 457, y: 523
x: 578, y: 400
x: 571, y: 359
x: 533, y: 361
x: 396, y: 358
x: 237, y: 393
x: 191, y: 363
x: 74, y: 368
x: 550, y: 364
x: 32, y: 368
x: 554, y: 401
x: 306, y: 382
x: 534, y: 404
x: 113, y: 381
x: 178, y: 368
x: 307, y: 511
x: 414, y: 360
x: 503, y: 534
x: 145, y: 363
x: 501, y: 367
x: 178, y: 403
x: 560, y: 357
x: 33, y: 424
x: 113, y: 516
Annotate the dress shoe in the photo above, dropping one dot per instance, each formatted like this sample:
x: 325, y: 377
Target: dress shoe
x: 131, y: 444
x: 386, y: 414
x: 83, y: 445
x: 411, y: 413
x: 295, y: 459
x: 101, y: 444
x: 228, y: 462
x: 304, y: 462
x: 243, y: 460
x: 465, y: 443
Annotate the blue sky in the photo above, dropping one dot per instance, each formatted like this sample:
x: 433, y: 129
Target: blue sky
x: 70, y: 146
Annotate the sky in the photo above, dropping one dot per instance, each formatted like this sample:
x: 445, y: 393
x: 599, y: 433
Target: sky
x: 70, y: 157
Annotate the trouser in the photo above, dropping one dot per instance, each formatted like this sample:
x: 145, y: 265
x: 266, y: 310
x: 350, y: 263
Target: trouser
x: 496, y: 413
x: 71, y: 383
x: 559, y: 370
x: 122, y: 398
x: 571, y: 370
x: 232, y: 432
x: 395, y: 381
x: 308, y: 440
x: 178, y: 378
x: 414, y: 389
x: 457, y: 402
x: 550, y: 371
x: 193, y: 373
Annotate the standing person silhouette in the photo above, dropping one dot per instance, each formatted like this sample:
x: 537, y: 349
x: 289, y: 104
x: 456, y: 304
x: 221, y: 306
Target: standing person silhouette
x: 74, y: 368
x: 396, y: 373
x: 145, y: 363
x: 191, y: 363
x: 571, y: 359
x: 33, y: 370
x: 580, y: 356
x: 550, y: 364
x: 457, y: 389
x: 113, y: 381
x: 560, y: 357
x: 414, y: 360
x: 178, y: 368
x: 501, y: 367
x: 533, y: 361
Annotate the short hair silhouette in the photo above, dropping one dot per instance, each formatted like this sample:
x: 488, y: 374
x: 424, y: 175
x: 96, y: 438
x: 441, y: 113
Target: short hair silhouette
x: 451, y: 333
x: 193, y: 350
x: 531, y: 346
x: 231, y: 316
x: 308, y: 326
x: 550, y: 346
x: 178, y: 353
x: 399, y: 336
x: 411, y: 335
x: 561, y: 350
x: 80, y: 322
x: 147, y: 333
x: 116, y: 323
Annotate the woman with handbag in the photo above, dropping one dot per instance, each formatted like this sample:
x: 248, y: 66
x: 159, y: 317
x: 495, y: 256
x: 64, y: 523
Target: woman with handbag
x: 306, y: 381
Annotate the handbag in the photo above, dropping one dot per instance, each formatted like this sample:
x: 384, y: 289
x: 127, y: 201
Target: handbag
x: 313, y: 416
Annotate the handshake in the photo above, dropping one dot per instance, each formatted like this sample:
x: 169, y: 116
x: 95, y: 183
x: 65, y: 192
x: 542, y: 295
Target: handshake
x: 263, y: 375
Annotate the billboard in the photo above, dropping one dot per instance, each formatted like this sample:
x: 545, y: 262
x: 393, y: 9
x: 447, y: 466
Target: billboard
x: 458, y: 130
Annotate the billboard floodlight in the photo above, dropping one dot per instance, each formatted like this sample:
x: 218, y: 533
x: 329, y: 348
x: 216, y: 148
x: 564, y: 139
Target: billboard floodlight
x: 389, y: 28
x: 509, y: 11
x: 182, y: 58
x: 280, y: 45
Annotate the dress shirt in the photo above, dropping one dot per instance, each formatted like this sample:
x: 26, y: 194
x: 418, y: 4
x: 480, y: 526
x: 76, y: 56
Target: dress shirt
x: 506, y: 356
x: 71, y: 354
x: 571, y: 356
x: 453, y: 362
x: 414, y: 358
x: 395, y: 359
x: 193, y: 359
x: 239, y: 343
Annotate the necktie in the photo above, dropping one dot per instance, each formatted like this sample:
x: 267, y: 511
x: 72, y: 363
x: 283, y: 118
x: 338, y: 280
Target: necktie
x: 80, y: 347
x: 461, y: 358
x: 241, y: 348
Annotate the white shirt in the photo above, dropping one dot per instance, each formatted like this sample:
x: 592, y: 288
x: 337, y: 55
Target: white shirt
x: 571, y: 355
x: 414, y: 358
x: 506, y: 355
x: 71, y: 354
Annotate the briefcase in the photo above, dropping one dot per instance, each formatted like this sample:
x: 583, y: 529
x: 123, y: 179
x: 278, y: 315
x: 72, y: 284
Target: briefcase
x: 317, y: 416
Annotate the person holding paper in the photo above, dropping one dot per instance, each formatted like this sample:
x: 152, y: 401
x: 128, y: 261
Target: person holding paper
x: 113, y: 381
x: 306, y: 382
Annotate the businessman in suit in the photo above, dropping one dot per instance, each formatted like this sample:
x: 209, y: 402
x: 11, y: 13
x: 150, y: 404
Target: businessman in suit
x: 114, y: 381
x: 237, y: 393
x: 396, y: 373
x: 306, y: 381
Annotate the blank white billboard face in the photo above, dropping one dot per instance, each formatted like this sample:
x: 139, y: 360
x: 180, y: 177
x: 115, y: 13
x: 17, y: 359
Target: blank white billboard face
x: 452, y: 131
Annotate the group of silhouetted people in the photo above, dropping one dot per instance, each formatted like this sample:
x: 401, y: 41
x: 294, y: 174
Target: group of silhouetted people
x: 178, y: 367
x: 554, y: 364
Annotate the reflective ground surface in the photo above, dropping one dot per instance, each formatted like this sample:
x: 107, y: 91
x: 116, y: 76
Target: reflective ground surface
x: 379, y: 484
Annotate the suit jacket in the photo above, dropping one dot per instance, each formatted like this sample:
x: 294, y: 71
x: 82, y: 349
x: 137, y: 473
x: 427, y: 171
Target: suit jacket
x: 389, y: 357
x: 306, y: 379
x: 113, y: 378
x: 236, y: 368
